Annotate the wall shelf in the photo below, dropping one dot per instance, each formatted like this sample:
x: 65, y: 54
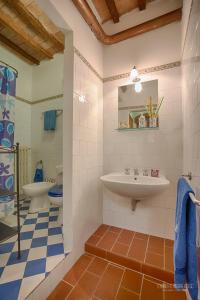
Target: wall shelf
x: 137, y: 129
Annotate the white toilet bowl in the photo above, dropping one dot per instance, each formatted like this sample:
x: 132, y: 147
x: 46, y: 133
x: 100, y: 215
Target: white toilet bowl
x: 38, y: 192
x: 58, y: 201
x: 55, y: 193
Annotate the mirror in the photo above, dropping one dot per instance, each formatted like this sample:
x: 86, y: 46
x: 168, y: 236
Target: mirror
x: 138, y: 110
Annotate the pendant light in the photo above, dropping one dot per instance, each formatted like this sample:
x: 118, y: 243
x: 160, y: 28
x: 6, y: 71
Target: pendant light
x: 133, y: 74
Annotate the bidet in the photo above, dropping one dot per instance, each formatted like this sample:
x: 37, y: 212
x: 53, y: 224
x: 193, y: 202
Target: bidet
x: 38, y: 192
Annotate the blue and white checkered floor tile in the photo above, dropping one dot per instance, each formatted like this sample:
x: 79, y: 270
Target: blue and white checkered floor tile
x: 41, y: 250
x: 24, y: 207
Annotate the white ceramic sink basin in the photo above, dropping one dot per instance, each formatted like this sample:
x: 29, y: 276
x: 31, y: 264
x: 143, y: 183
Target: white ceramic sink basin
x: 134, y: 187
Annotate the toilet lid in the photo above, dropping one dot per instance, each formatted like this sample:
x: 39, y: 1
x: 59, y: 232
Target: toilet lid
x: 56, y: 191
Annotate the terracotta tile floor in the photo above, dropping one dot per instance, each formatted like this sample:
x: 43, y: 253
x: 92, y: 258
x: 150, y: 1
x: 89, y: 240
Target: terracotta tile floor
x: 141, y: 252
x: 97, y: 279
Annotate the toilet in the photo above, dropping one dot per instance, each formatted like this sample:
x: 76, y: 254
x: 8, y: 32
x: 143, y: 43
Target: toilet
x: 55, y: 193
x: 38, y: 192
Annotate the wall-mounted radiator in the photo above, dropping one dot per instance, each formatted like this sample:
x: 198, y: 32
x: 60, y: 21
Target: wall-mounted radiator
x: 24, y: 166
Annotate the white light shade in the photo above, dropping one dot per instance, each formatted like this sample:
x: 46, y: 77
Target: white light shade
x: 134, y: 74
x: 82, y: 99
x: 138, y: 87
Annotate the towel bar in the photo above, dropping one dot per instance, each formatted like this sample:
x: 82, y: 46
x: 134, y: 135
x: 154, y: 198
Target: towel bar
x: 189, y: 175
x: 194, y: 200
x: 192, y: 197
x: 58, y: 110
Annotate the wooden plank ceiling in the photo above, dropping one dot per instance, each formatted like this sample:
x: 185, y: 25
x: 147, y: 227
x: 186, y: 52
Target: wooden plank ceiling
x: 27, y: 31
x: 121, y: 7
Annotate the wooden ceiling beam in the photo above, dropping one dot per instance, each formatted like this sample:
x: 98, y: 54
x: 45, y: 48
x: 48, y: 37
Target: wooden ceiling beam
x: 12, y: 25
x: 142, y: 4
x: 19, y: 51
x: 147, y: 26
x: 92, y: 21
x: 113, y: 10
x: 30, y: 18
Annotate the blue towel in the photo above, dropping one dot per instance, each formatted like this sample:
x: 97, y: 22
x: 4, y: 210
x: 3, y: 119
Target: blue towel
x: 39, y: 177
x: 185, y: 253
x: 50, y: 120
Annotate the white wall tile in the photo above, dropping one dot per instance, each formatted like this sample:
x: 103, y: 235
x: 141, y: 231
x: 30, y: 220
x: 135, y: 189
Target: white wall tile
x: 160, y: 149
x: 47, y: 145
x: 87, y: 155
x: 190, y: 91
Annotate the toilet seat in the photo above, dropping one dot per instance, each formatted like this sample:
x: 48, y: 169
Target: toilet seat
x: 55, y: 195
x: 56, y: 191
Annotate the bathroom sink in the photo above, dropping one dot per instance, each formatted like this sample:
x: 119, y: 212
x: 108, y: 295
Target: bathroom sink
x: 134, y: 187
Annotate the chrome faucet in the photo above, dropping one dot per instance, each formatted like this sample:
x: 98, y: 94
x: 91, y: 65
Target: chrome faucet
x: 136, y: 172
x: 127, y: 171
x: 145, y: 172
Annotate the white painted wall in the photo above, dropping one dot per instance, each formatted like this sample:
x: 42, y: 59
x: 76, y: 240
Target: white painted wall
x: 153, y: 48
x: 48, y: 78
